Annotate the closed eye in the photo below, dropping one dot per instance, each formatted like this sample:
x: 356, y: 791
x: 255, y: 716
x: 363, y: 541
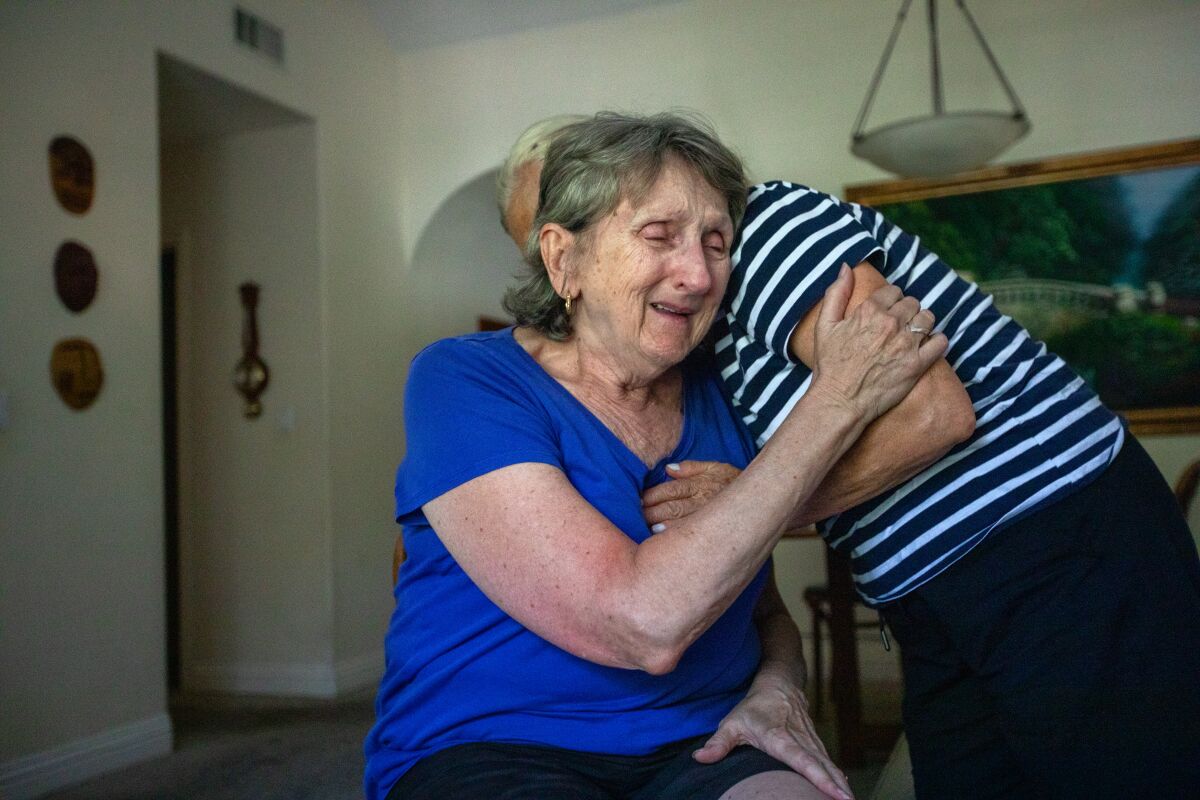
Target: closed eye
x: 656, y: 232
x: 715, y: 243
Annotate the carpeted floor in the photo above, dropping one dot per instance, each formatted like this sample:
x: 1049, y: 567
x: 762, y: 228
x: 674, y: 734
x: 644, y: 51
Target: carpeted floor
x: 230, y: 748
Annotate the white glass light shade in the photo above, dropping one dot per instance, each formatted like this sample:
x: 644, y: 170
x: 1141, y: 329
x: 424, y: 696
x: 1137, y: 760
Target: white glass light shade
x: 940, y: 144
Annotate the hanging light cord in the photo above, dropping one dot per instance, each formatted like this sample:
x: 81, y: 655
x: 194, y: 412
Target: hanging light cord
x: 935, y: 61
x: 883, y: 62
x: 1018, y: 109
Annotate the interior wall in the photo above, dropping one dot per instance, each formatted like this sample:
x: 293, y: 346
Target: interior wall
x: 461, y: 265
x: 81, y: 523
x: 82, y: 667
x: 783, y: 81
x: 256, y: 589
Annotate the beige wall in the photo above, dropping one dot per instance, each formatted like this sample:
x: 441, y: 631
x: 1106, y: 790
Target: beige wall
x: 399, y: 141
x: 82, y: 670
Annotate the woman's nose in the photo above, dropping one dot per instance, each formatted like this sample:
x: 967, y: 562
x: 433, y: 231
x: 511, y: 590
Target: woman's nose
x: 692, y: 273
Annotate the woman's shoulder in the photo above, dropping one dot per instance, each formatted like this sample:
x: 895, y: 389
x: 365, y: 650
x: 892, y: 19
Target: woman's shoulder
x: 468, y: 347
x: 474, y: 359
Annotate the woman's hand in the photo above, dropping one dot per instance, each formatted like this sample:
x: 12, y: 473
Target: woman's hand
x: 869, y: 359
x: 694, y: 484
x: 773, y: 717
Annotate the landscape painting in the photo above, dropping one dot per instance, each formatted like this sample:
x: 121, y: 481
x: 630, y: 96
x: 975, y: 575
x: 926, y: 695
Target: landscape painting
x: 1098, y: 256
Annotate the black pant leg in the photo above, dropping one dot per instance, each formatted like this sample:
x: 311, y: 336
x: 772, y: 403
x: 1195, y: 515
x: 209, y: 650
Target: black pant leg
x: 955, y: 739
x: 1082, y: 621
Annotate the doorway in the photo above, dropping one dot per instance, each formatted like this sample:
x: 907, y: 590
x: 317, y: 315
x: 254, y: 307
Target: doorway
x: 170, y: 425
x: 238, y: 187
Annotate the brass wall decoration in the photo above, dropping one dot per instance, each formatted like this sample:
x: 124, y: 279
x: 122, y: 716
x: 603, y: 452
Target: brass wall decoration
x: 75, y: 275
x: 251, y: 375
x: 72, y: 174
x: 76, y: 372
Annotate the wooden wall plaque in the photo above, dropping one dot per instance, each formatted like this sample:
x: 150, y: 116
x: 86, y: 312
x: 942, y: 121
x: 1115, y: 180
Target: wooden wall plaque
x: 75, y: 275
x: 72, y: 174
x: 76, y: 372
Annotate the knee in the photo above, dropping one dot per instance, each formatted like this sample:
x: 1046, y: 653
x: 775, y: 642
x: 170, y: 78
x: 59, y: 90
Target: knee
x: 774, y: 785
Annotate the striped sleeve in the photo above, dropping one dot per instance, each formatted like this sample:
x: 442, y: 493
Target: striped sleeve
x: 794, y: 240
x: 1040, y: 432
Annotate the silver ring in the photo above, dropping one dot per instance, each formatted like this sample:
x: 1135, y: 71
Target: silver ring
x: 918, y: 329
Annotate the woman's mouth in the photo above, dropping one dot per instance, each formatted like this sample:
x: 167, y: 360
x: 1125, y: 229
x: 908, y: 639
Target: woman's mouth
x: 677, y: 311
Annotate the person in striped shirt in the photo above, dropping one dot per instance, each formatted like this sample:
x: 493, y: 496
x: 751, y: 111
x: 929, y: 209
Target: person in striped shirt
x: 1024, y: 550
x: 1044, y: 589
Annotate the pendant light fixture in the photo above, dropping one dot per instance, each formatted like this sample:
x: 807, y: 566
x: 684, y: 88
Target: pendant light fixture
x: 943, y: 142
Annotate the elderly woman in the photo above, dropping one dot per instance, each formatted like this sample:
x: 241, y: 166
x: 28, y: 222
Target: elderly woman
x: 545, y: 643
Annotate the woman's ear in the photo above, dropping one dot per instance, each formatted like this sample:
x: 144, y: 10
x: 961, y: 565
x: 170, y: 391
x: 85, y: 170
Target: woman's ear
x: 556, y: 243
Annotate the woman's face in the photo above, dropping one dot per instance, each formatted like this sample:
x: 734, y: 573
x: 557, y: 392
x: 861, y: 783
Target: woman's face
x: 650, y: 276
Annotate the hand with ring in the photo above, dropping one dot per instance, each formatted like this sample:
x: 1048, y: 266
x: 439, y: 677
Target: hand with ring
x: 866, y: 360
x: 922, y: 323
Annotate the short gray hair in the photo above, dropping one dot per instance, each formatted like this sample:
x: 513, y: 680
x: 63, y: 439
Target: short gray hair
x: 590, y: 167
x: 530, y: 146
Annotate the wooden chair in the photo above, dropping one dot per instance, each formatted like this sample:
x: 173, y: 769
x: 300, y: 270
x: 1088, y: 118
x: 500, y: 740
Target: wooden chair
x: 855, y: 736
x: 819, y: 604
x: 397, y: 557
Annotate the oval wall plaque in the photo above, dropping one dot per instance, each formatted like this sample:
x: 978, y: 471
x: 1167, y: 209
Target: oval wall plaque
x: 75, y: 275
x: 76, y: 372
x: 72, y: 174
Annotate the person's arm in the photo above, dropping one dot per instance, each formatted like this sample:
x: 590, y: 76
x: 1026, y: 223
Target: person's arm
x: 556, y: 565
x: 773, y: 716
x: 934, y: 417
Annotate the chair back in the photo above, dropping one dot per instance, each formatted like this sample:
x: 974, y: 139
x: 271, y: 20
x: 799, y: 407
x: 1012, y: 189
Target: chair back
x: 1185, y: 486
x: 1185, y: 495
x: 397, y: 557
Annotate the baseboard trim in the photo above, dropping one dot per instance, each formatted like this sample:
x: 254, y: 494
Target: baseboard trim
x: 288, y: 680
x: 34, y: 775
x: 359, y: 672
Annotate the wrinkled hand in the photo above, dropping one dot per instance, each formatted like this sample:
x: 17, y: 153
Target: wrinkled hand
x: 694, y: 484
x: 868, y: 360
x: 774, y: 719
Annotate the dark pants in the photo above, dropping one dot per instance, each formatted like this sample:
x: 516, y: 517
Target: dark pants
x: 500, y: 771
x: 1061, y: 657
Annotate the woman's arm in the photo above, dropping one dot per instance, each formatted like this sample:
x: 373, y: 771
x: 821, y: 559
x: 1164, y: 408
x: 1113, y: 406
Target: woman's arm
x: 934, y: 417
x: 556, y: 565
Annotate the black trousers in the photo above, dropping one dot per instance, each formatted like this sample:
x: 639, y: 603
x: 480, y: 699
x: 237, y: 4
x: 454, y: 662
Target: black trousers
x: 1061, y: 657
x: 501, y: 771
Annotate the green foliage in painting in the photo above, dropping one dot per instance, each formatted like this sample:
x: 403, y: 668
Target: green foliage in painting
x: 1136, y: 360
x: 1061, y: 231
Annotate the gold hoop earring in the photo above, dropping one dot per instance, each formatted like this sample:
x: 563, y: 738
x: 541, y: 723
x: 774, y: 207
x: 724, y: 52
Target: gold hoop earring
x: 567, y: 305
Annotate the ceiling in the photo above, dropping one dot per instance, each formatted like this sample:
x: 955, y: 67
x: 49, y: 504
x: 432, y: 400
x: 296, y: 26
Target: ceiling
x: 414, y: 24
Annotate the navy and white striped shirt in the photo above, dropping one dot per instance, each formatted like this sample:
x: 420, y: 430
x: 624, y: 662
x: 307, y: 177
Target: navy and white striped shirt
x: 1040, y: 432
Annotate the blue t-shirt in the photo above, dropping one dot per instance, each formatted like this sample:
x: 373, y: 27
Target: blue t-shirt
x: 1040, y: 432
x: 461, y: 670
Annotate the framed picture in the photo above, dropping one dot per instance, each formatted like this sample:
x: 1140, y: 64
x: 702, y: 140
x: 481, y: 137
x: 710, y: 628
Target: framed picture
x: 1097, y: 255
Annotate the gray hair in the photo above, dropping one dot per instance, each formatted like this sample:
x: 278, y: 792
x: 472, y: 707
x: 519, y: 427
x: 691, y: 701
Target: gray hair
x: 590, y: 167
x: 530, y: 146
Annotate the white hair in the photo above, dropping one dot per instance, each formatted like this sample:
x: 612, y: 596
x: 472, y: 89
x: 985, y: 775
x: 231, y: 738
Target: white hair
x: 530, y: 146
